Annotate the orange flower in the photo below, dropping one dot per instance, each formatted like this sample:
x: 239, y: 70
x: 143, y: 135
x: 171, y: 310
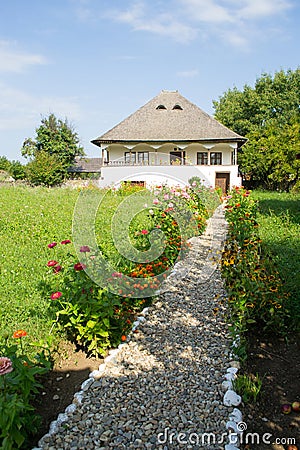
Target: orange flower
x: 123, y: 338
x: 19, y: 334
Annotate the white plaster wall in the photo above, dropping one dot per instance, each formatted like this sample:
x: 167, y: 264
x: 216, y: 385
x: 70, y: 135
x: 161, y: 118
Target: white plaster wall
x: 172, y: 175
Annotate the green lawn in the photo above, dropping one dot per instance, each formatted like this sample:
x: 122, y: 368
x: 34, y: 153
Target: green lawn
x: 279, y: 220
x: 29, y: 220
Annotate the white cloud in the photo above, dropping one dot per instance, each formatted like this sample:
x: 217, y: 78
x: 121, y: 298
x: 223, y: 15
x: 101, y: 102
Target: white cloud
x: 20, y: 110
x: 14, y: 60
x: 165, y: 23
x: 208, y: 11
x: 233, y: 22
x: 255, y: 9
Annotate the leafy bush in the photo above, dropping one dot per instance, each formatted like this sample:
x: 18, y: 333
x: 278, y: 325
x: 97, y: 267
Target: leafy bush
x: 18, y: 385
x: 255, y: 289
x: 45, y: 169
x: 91, y: 316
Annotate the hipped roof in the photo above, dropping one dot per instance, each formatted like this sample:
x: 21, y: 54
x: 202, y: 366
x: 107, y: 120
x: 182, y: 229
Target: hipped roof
x: 169, y: 117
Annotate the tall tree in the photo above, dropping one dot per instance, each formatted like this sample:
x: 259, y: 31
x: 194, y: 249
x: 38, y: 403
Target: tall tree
x: 268, y: 115
x: 57, y: 139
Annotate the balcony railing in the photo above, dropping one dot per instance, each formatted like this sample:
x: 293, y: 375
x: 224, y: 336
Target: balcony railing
x: 157, y: 159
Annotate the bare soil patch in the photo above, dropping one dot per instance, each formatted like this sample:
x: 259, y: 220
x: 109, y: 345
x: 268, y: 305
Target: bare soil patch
x: 277, y: 361
x: 70, y: 370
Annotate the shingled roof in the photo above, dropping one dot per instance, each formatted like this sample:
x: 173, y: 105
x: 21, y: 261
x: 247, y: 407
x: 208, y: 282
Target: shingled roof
x: 87, y: 165
x: 169, y: 117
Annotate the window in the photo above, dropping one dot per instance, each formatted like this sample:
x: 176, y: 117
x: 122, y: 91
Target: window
x: 216, y: 158
x: 161, y: 107
x: 177, y: 107
x: 177, y: 158
x: 202, y: 158
x: 130, y: 157
x: 143, y: 158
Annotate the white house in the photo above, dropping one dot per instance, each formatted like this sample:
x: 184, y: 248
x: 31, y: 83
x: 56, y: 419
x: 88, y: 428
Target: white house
x: 170, y: 140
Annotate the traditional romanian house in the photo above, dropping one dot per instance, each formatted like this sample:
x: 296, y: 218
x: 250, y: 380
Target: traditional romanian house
x: 170, y: 140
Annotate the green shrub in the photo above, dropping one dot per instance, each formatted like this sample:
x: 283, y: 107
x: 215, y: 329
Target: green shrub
x: 45, y: 170
x: 18, y: 386
x: 255, y: 290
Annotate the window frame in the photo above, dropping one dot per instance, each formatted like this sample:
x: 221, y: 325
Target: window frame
x: 204, y: 159
x: 216, y: 158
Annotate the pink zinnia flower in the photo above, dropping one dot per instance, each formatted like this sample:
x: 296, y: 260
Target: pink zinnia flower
x: 85, y: 249
x: 56, y: 295
x: 53, y: 244
x: 144, y: 231
x: 57, y: 269
x: 79, y: 266
x: 5, y: 365
x: 116, y: 275
x: 155, y: 201
x: 66, y: 241
x: 52, y: 263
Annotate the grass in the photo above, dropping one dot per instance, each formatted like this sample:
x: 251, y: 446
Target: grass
x: 279, y: 221
x: 29, y: 220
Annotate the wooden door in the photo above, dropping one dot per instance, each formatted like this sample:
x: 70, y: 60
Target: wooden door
x: 223, y: 181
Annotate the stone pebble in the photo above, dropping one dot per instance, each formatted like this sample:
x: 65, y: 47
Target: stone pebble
x: 163, y: 388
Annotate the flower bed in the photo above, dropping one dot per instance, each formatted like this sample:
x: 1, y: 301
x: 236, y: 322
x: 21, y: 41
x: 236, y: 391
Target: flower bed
x: 255, y: 289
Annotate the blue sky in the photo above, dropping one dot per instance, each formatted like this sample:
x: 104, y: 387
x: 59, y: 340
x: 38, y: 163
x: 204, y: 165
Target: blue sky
x: 95, y: 62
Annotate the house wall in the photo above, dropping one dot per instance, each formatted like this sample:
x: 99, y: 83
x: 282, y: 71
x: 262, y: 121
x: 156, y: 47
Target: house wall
x: 159, y: 154
x: 171, y: 175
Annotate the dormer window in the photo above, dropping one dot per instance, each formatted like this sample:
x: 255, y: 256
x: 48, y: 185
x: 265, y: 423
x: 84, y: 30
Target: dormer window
x: 177, y: 107
x: 161, y: 107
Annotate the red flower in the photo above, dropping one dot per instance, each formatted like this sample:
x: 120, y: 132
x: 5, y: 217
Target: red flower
x: 56, y: 295
x: 52, y: 263
x: 53, y: 244
x: 123, y: 338
x: 5, y: 365
x: 57, y: 269
x: 19, y: 333
x: 85, y: 249
x: 144, y: 231
x: 79, y: 266
x: 66, y: 241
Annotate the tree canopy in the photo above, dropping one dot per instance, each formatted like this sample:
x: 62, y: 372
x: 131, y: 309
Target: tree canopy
x: 268, y: 115
x: 56, y: 143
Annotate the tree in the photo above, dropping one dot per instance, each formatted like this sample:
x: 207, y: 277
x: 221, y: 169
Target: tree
x: 4, y: 163
x: 57, y: 139
x: 45, y: 169
x: 17, y: 170
x: 268, y: 115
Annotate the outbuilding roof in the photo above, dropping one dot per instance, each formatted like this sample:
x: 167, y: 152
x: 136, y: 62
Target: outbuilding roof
x: 169, y: 117
x: 86, y: 165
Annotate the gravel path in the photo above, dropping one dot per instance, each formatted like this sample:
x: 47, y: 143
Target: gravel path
x: 163, y: 388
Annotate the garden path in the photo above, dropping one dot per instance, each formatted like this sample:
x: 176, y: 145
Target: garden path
x: 162, y: 389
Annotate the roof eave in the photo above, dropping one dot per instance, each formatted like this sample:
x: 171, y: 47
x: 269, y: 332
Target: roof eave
x: 98, y: 142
